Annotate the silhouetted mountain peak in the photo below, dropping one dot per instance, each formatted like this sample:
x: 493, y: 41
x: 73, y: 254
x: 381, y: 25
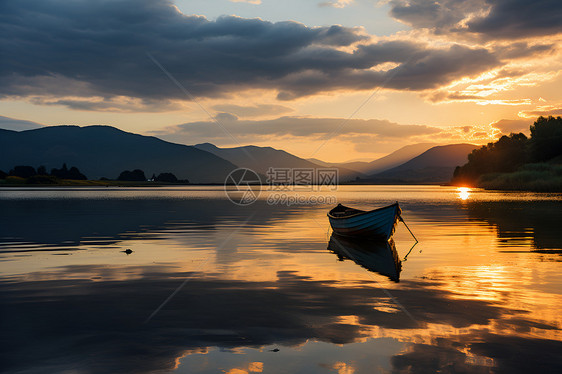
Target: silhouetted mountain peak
x: 389, y: 161
x: 436, y: 165
x: 205, y: 146
x: 260, y: 159
x: 101, y: 150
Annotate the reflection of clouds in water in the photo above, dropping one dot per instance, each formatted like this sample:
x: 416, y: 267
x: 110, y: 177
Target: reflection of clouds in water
x: 443, y: 356
x: 340, y: 367
x: 276, y: 286
x: 253, y: 367
x: 481, y: 352
x: 105, y: 317
x: 343, y: 368
x: 106, y: 221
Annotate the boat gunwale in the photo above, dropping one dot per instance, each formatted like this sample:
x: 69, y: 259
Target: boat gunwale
x: 361, y: 212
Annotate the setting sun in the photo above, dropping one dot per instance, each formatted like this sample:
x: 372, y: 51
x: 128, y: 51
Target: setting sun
x: 464, y: 193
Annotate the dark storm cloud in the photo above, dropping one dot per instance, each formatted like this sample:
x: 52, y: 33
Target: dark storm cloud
x: 104, y: 44
x: 523, y: 49
x: 519, y: 19
x: 433, y: 14
x: 501, y: 19
x: 110, y: 105
x: 82, y: 48
x: 419, y: 67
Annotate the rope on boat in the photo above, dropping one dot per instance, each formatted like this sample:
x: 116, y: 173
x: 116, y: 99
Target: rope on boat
x: 404, y: 222
x: 406, y: 257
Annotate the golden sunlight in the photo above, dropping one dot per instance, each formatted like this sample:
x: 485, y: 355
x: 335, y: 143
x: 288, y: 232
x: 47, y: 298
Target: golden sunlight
x: 464, y: 193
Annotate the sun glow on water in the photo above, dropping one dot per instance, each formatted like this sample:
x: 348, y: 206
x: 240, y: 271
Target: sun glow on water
x: 464, y: 193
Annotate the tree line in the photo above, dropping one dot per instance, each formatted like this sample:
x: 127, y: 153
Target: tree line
x: 138, y: 175
x: 40, y: 175
x: 512, y: 151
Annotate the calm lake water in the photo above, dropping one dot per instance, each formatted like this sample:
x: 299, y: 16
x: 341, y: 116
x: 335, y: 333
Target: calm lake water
x: 212, y: 287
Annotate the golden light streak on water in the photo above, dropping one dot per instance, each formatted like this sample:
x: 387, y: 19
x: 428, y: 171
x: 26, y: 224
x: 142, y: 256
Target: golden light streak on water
x: 464, y: 193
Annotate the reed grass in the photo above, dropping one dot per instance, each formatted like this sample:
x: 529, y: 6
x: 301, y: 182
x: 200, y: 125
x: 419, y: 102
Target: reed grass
x: 538, y: 177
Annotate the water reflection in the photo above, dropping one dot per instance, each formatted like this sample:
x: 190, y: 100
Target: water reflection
x: 376, y: 256
x: 101, y: 221
x: 255, y: 289
x: 534, y: 223
x: 99, y: 325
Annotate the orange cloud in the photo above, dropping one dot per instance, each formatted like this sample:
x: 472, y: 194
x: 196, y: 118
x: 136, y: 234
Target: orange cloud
x: 507, y: 126
x: 543, y: 110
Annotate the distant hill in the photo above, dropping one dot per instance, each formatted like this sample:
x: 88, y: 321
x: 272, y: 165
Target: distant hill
x: 7, y: 123
x: 260, y: 159
x: 104, y: 151
x: 397, y: 158
x: 320, y: 162
x: 389, y: 161
x: 433, y: 166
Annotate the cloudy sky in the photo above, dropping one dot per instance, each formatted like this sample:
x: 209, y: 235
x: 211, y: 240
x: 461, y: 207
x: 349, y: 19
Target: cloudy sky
x: 330, y: 79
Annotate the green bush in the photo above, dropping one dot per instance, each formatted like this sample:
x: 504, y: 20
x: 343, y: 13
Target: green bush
x: 531, y: 177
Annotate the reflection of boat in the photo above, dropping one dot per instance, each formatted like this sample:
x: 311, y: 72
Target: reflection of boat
x: 376, y: 256
x: 377, y: 223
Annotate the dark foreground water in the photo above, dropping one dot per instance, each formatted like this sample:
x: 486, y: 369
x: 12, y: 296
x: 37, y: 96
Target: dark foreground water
x: 212, y: 287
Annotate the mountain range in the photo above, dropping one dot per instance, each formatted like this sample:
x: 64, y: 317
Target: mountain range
x: 260, y: 159
x: 104, y: 151
x: 436, y: 165
x: 387, y: 162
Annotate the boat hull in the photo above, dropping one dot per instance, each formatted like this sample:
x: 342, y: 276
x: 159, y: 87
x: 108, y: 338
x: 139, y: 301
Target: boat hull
x: 379, y: 223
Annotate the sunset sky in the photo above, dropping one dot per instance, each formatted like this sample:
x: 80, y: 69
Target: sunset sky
x: 332, y: 79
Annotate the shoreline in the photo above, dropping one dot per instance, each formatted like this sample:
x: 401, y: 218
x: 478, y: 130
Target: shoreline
x: 543, y: 186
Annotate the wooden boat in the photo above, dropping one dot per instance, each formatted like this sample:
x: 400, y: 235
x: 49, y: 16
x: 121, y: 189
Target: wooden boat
x: 378, y: 223
x: 377, y: 256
